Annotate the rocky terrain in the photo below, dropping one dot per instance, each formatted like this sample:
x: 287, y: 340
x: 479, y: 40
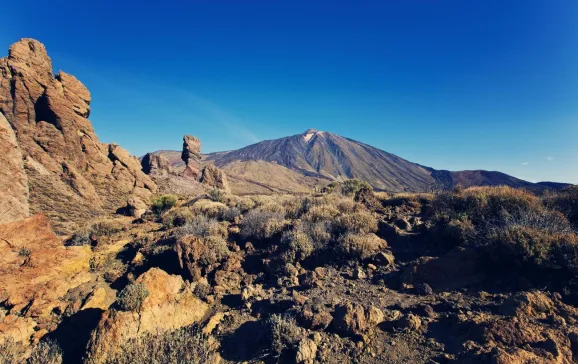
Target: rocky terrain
x: 70, y: 175
x: 303, y: 162
x: 108, y: 259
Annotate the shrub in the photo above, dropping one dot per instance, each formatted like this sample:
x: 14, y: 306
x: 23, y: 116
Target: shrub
x: 200, y: 226
x: 80, y: 237
x: 209, y: 208
x: 359, y: 246
x: 245, y: 204
x: 320, y: 232
x: 361, y: 221
x: 186, y: 345
x: 202, y: 290
x: 24, y: 252
x: 231, y: 214
x: 46, y: 352
x: 163, y: 203
x: 216, y: 250
x: 218, y: 195
x: 283, y: 333
x: 352, y: 186
x: 297, y: 244
x: 132, y: 296
x: 534, y: 248
x: 8, y: 351
x: 108, y: 227
x: 565, y: 201
x: 483, y: 204
x: 259, y: 224
x: 320, y: 213
x: 415, y: 200
x: 177, y: 217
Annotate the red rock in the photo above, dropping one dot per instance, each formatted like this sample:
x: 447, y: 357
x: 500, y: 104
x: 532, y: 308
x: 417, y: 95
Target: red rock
x: 72, y: 176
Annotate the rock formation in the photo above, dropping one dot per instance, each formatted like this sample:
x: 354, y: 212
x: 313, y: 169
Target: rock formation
x: 13, y: 180
x: 37, y: 272
x: 169, y: 306
x: 214, y: 177
x: 156, y: 165
x: 191, y: 155
x: 72, y: 176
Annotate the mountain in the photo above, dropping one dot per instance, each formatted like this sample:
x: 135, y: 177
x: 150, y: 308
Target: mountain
x: 53, y: 162
x: 301, y: 162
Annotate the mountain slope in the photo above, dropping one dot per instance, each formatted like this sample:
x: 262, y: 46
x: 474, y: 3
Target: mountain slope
x: 328, y: 156
x: 304, y: 161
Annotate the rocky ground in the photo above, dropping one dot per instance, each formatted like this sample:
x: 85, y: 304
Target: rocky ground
x: 334, y: 277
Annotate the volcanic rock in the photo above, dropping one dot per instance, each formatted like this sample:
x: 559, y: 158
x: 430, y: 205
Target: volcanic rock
x: 156, y: 165
x: 36, y: 272
x: 169, y: 306
x: 72, y: 176
x: 214, y: 177
x: 13, y: 179
x: 191, y: 155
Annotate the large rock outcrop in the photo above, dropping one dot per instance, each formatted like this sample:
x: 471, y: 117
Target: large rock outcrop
x: 214, y: 177
x: 13, y: 179
x: 37, y: 272
x: 170, y: 305
x: 72, y: 176
x: 156, y: 165
x: 191, y: 155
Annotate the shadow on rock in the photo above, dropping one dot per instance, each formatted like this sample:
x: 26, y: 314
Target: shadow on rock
x: 73, y: 334
x: 246, y: 343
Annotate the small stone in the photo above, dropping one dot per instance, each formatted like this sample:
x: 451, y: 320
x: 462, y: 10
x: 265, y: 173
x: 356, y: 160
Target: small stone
x: 359, y: 274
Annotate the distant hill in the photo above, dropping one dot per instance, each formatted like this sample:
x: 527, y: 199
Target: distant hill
x: 314, y: 158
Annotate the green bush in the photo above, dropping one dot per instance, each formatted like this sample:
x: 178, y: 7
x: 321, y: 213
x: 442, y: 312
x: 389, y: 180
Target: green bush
x: 163, y: 203
x: 534, y: 249
x: 347, y: 187
x: 177, y: 217
x: 132, y: 297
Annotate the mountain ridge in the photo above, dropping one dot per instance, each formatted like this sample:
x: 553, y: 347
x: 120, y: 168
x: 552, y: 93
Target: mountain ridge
x: 318, y: 157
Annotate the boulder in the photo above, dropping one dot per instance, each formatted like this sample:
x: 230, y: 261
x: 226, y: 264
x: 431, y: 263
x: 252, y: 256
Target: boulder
x: 214, y: 177
x: 37, y: 271
x: 170, y: 305
x: 13, y: 179
x: 306, y: 352
x: 156, y: 165
x: 349, y: 319
x: 191, y: 155
x: 72, y: 176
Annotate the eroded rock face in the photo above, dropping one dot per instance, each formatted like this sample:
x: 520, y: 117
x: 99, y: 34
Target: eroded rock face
x: 36, y: 272
x: 214, y: 177
x: 170, y: 305
x: 156, y: 165
x: 13, y: 179
x: 72, y: 176
x: 191, y: 155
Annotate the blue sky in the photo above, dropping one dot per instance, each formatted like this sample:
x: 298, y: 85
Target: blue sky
x: 448, y: 84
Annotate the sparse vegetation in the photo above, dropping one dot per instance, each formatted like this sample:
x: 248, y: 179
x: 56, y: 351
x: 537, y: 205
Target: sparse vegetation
x: 261, y: 224
x: 187, y: 345
x: 108, y: 227
x: 46, y: 352
x: 163, y: 203
x: 132, y: 297
x: 284, y: 334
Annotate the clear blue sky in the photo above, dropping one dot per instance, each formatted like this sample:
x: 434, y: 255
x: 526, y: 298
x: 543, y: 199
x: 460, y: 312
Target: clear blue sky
x: 454, y: 85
